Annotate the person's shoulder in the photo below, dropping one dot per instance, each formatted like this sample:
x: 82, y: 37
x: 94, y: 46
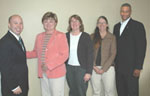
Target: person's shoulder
x: 135, y: 22
x: 3, y: 37
x: 2, y: 40
x: 86, y: 34
x: 6, y: 40
x: 6, y: 37
x: 67, y: 33
x: 110, y: 35
x: 60, y: 33
x: 117, y: 24
x: 92, y: 35
x: 40, y: 34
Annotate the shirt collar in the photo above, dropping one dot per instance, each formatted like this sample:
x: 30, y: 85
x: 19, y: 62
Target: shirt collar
x: 16, y: 36
x: 126, y: 21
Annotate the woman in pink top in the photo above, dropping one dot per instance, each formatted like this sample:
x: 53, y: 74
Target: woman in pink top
x: 51, y: 49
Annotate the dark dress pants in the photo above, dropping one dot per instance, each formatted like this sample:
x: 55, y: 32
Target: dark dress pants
x: 127, y: 84
x: 75, y: 80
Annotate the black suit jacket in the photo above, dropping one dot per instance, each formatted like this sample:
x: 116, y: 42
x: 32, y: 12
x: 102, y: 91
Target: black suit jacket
x: 13, y: 67
x: 131, y: 46
x: 85, y: 51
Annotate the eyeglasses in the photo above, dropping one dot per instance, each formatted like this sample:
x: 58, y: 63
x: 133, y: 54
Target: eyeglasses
x: 102, y: 23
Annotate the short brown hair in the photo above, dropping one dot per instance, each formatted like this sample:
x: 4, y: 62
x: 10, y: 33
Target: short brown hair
x: 49, y: 15
x: 77, y: 17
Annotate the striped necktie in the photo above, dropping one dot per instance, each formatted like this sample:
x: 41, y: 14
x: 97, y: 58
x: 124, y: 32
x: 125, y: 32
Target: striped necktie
x: 21, y: 43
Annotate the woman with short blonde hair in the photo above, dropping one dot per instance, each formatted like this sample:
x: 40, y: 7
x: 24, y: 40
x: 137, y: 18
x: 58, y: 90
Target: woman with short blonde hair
x: 51, y: 49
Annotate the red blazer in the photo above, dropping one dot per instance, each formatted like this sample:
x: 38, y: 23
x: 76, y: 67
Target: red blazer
x: 56, y: 54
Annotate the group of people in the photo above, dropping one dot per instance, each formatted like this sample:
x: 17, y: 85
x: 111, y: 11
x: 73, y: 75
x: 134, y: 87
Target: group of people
x: 108, y: 60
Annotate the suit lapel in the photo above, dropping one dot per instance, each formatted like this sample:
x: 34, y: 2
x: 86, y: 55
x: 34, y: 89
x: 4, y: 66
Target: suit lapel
x: 16, y: 42
x: 118, y: 31
x: 125, y: 29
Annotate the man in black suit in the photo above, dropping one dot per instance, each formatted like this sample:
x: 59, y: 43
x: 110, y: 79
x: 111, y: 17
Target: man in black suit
x: 13, y: 67
x: 131, y: 48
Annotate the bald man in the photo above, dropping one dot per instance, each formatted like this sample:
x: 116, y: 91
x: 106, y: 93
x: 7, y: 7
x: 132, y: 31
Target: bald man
x: 13, y: 67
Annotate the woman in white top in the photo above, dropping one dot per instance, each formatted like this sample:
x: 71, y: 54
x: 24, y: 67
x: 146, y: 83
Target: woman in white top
x: 80, y: 62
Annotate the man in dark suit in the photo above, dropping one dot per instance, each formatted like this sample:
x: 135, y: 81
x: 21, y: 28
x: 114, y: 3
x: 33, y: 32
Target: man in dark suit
x: 13, y: 67
x: 131, y: 48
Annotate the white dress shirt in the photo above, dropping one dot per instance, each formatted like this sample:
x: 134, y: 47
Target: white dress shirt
x: 123, y: 25
x: 16, y: 36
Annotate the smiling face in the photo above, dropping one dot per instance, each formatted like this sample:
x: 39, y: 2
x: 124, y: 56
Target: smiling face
x: 102, y: 25
x: 75, y: 24
x: 49, y: 24
x: 16, y: 24
x: 125, y: 12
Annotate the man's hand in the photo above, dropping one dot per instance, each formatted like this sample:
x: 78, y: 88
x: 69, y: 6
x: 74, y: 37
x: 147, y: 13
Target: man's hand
x: 17, y: 91
x: 87, y: 77
x: 136, y: 73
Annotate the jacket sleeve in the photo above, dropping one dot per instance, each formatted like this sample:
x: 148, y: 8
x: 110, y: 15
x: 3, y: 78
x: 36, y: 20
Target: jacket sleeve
x: 112, y: 56
x: 6, y: 67
x: 140, y: 45
x: 62, y: 55
x: 90, y: 59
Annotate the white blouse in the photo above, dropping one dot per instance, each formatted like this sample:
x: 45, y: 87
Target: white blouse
x: 73, y: 58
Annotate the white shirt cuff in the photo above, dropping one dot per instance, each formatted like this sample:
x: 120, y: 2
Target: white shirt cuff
x: 15, y: 89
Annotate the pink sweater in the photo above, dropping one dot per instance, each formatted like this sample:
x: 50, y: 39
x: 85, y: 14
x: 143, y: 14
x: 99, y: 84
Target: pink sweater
x: 56, y: 54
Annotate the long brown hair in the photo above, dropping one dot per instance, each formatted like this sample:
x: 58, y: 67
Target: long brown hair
x: 96, y: 35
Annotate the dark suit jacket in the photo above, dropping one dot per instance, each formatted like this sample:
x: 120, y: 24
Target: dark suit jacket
x: 13, y: 67
x: 131, y: 46
x: 85, y: 51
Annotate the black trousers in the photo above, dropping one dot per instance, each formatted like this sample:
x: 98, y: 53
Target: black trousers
x: 75, y: 80
x: 127, y: 84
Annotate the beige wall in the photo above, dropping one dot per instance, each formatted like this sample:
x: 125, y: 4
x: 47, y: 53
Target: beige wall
x: 89, y: 10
